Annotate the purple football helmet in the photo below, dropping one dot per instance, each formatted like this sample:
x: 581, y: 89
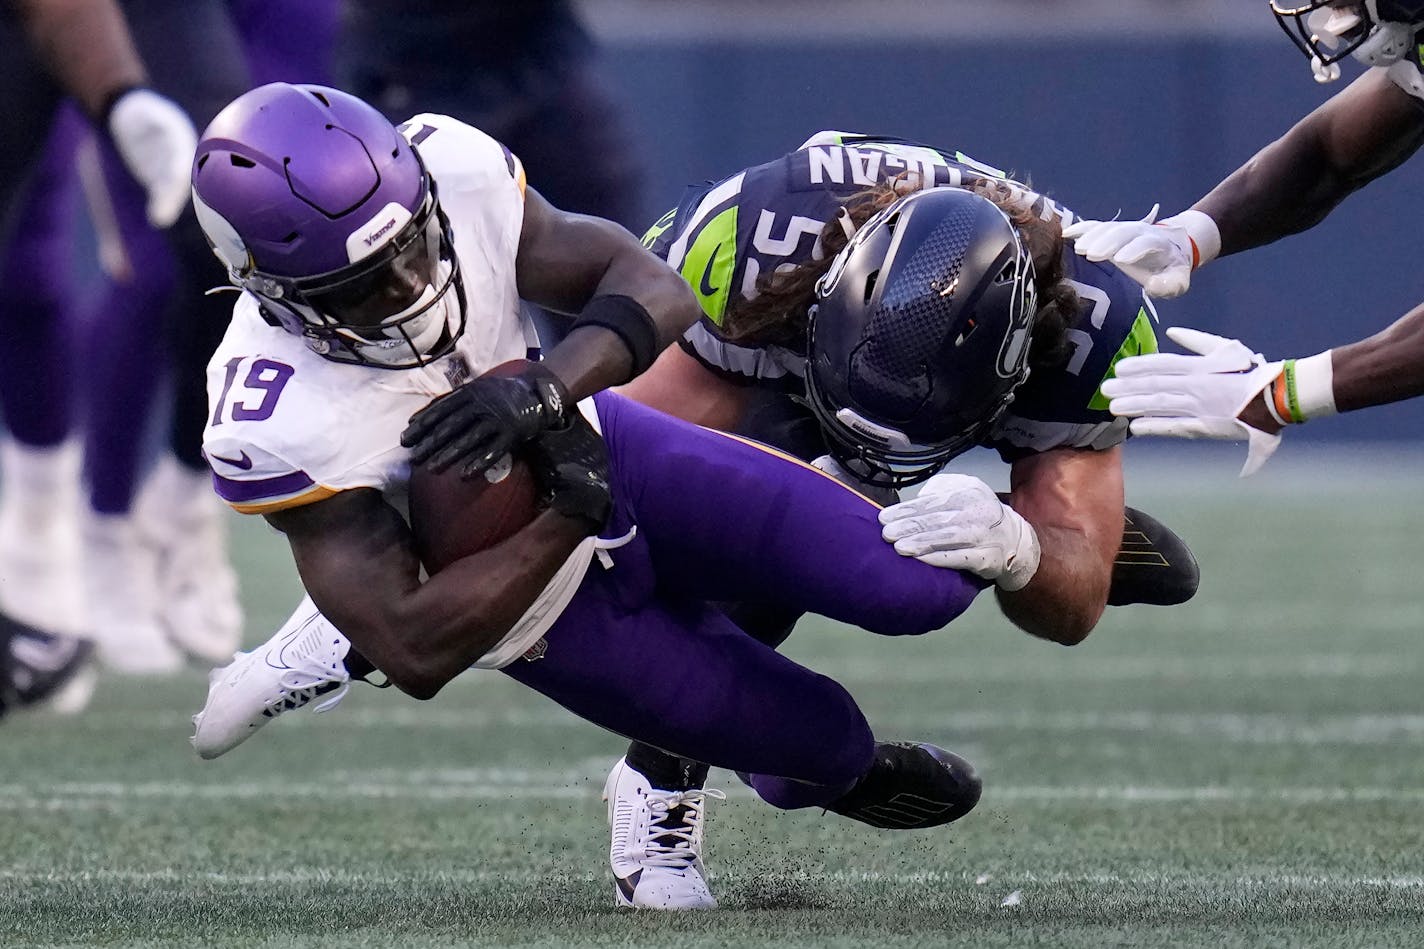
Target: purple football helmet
x: 316, y: 204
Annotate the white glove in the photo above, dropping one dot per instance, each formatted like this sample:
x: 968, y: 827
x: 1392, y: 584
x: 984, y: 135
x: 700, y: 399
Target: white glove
x: 1159, y: 256
x: 1196, y: 396
x: 959, y: 523
x: 157, y: 142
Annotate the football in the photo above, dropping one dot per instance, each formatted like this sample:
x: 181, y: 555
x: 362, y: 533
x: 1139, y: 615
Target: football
x: 453, y: 518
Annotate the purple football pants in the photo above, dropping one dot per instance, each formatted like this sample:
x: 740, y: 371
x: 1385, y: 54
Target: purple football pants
x: 639, y: 651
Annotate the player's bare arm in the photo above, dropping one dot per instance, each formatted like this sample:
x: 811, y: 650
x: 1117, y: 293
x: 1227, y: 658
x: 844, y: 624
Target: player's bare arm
x: 681, y: 386
x: 1353, y: 138
x: 86, y: 45
x: 1293, y: 183
x: 1365, y: 131
x: 1073, y: 498
x: 1386, y: 367
x: 630, y: 307
x: 566, y: 261
x: 357, y: 560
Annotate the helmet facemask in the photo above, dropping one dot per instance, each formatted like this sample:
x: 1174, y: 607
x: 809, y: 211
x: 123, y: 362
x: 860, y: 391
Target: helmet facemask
x: 1374, y: 33
x: 884, y: 457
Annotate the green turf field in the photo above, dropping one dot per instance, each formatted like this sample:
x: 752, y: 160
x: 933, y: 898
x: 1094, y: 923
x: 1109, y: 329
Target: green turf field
x: 1244, y: 771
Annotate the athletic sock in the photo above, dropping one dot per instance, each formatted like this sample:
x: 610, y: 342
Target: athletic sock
x: 664, y: 771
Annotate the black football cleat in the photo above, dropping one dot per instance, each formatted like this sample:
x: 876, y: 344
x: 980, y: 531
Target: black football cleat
x: 40, y: 665
x: 910, y: 786
x: 1154, y: 566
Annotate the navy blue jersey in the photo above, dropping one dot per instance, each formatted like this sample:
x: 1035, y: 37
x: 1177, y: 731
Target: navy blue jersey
x: 724, y: 236
x: 1062, y: 407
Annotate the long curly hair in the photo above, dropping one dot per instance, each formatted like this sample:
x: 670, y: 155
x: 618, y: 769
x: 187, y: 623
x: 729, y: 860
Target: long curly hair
x: 777, y: 314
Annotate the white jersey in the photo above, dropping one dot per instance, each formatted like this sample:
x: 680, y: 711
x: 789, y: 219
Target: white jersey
x: 288, y: 427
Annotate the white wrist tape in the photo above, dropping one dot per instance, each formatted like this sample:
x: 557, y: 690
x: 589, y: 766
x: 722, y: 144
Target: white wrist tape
x: 1315, y: 386
x: 1205, y: 235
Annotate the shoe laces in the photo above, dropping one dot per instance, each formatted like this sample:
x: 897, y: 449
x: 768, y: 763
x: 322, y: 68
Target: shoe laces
x: 672, y: 836
x: 308, y: 678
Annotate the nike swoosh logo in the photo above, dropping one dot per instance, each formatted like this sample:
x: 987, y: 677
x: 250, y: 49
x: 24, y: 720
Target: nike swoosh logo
x: 705, y: 287
x: 243, y: 462
x: 626, y: 885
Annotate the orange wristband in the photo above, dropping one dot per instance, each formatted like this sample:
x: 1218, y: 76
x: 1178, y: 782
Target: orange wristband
x: 1281, y: 399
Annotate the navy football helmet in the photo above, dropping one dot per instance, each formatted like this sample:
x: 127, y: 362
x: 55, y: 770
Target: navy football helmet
x: 920, y: 335
x: 1375, y: 32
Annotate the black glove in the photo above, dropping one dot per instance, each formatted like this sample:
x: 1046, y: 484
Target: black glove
x: 570, y: 465
x: 485, y: 419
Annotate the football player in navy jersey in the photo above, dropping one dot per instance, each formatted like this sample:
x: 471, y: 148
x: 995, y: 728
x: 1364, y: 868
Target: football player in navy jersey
x: 817, y: 336
x: 1222, y: 389
x: 754, y: 246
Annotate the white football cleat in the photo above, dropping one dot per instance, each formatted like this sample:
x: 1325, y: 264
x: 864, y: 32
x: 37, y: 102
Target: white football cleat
x: 121, y: 590
x: 302, y: 662
x: 656, y: 853
x: 40, y: 567
x: 186, y: 524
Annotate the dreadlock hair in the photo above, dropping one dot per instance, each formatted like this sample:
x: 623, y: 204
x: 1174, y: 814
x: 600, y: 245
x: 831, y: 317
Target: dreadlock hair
x: 777, y: 314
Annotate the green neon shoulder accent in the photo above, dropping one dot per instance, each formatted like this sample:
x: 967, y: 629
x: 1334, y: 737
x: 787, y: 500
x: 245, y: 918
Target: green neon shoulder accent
x: 710, y: 262
x: 980, y: 166
x: 659, y: 227
x: 1139, y: 342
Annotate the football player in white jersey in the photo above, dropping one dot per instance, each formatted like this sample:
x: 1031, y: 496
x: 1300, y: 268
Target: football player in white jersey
x: 1224, y: 390
x: 316, y: 182
x: 366, y: 295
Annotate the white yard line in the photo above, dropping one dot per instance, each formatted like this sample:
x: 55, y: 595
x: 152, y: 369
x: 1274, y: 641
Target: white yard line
x: 1268, y: 728
x: 447, y: 875
x: 437, y: 787
x: 967, y: 670
x: 1251, y: 728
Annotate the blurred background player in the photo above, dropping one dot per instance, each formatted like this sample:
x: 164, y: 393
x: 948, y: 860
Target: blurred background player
x: 84, y: 50
x: 155, y: 572
x: 1224, y: 390
x: 526, y: 74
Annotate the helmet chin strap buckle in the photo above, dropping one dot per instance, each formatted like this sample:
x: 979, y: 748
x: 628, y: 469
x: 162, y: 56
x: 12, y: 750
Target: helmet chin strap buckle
x: 1325, y: 73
